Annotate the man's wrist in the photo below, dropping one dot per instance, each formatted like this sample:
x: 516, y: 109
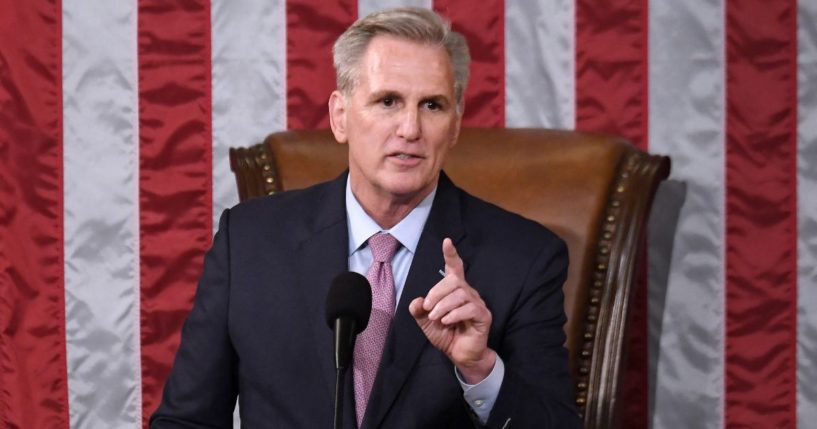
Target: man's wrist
x: 480, y: 369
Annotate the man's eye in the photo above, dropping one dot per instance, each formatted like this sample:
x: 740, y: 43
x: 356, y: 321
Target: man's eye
x: 388, y: 101
x: 432, y: 105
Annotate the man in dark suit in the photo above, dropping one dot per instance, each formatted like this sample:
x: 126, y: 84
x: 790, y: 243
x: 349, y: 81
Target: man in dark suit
x: 471, y: 329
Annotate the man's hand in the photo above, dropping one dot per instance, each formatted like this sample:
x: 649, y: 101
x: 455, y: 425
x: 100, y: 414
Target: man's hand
x: 456, y: 321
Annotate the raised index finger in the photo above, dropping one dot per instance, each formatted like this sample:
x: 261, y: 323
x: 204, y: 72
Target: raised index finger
x: 453, y: 262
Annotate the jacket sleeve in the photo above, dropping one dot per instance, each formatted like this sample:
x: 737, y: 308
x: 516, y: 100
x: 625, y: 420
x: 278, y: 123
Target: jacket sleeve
x: 537, y: 389
x: 201, y: 389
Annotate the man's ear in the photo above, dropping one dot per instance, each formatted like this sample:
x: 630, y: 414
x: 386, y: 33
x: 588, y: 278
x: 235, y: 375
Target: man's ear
x: 458, y: 124
x: 337, y: 116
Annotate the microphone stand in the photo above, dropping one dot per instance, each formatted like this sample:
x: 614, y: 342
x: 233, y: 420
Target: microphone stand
x: 344, y: 346
x: 339, y: 397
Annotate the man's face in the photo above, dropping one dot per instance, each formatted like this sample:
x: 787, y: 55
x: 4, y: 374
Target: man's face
x: 400, y: 120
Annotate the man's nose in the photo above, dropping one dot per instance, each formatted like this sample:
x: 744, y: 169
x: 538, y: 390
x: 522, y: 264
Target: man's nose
x: 409, y: 126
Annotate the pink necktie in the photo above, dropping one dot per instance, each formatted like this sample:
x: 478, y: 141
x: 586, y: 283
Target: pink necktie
x: 369, y: 344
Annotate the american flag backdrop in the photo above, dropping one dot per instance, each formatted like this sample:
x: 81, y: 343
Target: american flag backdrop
x: 116, y: 116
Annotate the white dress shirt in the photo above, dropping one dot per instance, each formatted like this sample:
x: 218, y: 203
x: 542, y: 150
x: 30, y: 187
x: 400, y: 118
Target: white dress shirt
x: 482, y: 396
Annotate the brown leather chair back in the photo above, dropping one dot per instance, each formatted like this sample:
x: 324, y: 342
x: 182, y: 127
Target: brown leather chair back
x: 594, y: 191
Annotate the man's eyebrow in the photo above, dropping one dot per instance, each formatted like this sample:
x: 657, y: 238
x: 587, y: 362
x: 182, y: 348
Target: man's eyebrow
x: 440, y: 99
x: 385, y: 93
x: 436, y: 97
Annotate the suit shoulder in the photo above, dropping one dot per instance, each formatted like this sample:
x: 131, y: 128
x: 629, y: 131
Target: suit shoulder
x: 288, y: 209
x: 500, y: 226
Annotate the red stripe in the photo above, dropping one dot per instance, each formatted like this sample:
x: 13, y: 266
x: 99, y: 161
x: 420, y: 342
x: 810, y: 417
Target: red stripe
x: 611, y: 68
x: 33, y: 378
x: 484, y: 28
x: 761, y: 214
x: 312, y: 27
x: 175, y: 179
x: 612, y: 97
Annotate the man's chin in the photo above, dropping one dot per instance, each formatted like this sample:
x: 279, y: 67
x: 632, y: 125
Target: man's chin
x: 404, y: 190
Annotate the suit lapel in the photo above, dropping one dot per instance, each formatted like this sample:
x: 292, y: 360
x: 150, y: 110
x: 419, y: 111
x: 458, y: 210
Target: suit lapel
x: 321, y: 255
x: 406, y: 340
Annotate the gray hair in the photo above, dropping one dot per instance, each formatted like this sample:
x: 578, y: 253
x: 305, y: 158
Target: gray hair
x: 414, y: 24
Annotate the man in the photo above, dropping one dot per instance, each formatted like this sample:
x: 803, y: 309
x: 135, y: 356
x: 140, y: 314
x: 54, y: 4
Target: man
x: 466, y: 326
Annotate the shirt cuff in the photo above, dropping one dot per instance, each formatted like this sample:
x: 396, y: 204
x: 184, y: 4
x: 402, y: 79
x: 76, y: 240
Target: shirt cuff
x: 482, y: 396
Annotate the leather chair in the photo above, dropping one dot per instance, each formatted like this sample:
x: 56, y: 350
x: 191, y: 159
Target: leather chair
x: 594, y: 191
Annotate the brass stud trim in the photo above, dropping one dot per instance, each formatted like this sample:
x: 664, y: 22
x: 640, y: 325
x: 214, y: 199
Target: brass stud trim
x: 260, y: 158
x: 601, y: 272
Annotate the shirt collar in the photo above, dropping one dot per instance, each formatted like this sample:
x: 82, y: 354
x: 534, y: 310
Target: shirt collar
x: 407, y: 231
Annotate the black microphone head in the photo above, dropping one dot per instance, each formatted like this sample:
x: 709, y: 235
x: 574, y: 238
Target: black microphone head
x: 349, y: 296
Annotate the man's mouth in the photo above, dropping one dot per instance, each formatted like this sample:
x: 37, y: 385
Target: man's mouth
x: 404, y: 156
x: 406, y: 160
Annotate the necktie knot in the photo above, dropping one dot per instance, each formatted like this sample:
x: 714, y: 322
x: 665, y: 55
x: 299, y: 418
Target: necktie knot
x: 383, y: 246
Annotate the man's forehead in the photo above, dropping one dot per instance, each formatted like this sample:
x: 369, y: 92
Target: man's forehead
x: 397, y: 60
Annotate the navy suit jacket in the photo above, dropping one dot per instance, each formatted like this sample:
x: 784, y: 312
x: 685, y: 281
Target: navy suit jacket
x: 257, y: 328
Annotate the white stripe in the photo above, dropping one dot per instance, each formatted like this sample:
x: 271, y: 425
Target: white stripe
x: 686, y: 121
x: 365, y: 7
x: 540, y: 64
x: 249, y: 83
x: 807, y: 215
x: 101, y: 213
x: 249, y: 87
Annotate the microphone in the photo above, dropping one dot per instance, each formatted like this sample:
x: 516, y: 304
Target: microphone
x: 348, y: 306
